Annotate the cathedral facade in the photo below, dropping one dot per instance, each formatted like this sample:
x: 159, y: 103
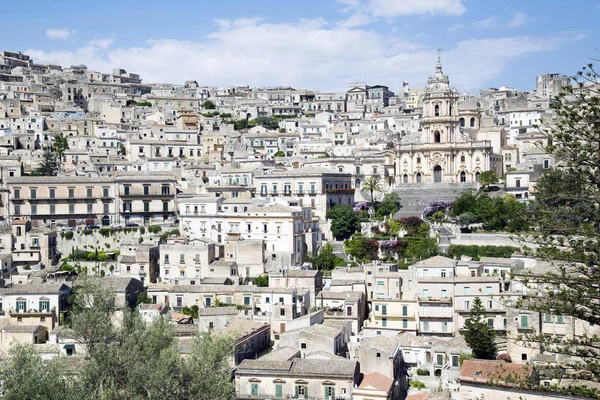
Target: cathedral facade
x: 445, y: 153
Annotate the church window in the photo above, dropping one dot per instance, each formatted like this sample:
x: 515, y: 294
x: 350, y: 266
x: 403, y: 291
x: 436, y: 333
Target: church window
x: 418, y: 178
x: 462, y: 122
x: 463, y: 176
x: 418, y: 160
x: 437, y: 137
x: 374, y: 170
x: 462, y: 158
x: 436, y: 110
x: 472, y: 122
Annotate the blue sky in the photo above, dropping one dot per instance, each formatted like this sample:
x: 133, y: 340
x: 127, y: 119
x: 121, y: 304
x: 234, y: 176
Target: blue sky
x: 313, y: 44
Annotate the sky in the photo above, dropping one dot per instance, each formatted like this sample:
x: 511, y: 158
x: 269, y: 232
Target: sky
x: 312, y: 44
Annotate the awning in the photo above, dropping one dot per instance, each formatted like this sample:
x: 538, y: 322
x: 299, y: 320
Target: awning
x: 69, y: 346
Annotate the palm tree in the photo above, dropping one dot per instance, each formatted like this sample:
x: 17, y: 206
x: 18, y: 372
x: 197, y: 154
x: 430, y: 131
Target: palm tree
x: 372, y: 184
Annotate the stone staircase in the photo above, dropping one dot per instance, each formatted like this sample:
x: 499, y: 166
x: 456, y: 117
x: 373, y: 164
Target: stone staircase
x: 416, y: 196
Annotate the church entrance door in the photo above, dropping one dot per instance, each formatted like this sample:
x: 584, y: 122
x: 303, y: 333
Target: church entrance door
x: 437, y: 174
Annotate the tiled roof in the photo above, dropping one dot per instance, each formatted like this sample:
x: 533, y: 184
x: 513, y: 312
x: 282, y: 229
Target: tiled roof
x: 376, y: 381
x: 21, y: 328
x: 209, y: 311
x: 482, y: 371
x: 43, y: 288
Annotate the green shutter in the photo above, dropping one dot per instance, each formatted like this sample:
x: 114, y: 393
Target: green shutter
x: 278, y: 391
x: 254, y: 390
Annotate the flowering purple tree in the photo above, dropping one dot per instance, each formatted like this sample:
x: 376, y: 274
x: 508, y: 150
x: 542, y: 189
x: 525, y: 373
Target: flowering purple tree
x: 361, y: 205
x: 392, y: 247
x: 438, y: 205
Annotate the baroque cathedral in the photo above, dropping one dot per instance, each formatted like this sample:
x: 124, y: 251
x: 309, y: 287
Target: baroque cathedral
x: 446, y: 153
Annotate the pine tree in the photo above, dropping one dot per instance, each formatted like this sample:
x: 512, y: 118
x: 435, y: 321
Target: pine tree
x: 478, y: 334
x: 49, y: 164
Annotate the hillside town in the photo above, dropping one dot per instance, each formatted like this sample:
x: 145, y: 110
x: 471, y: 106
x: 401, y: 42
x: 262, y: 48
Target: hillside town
x: 326, y: 231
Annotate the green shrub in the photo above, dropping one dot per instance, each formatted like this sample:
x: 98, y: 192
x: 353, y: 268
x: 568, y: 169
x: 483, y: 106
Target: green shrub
x: 68, y: 235
x: 423, y: 372
x: 417, y: 385
x: 476, y: 252
x: 87, y: 231
x: 142, y: 230
x: 154, y: 229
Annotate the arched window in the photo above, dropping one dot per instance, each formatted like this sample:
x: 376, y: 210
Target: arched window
x: 418, y: 160
x: 234, y: 209
x: 437, y: 137
x: 508, y: 157
x: 357, y: 169
x: 340, y: 169
x: 436, y: 110
x: 462, y: 122
x: 477, y: 177
x: 472, y: 122
x: 463, y: 176
x: 462, y: 158
x: 374, y: 170
x: 405, y: 178
x: 357, y: 183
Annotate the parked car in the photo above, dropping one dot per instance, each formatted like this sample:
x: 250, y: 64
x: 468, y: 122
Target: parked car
x: 67, y: 228
x: 131, y: 225
x: 92, y: 227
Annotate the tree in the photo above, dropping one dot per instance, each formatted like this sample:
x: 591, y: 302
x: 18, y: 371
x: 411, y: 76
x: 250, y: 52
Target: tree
x: 192, y: 311
x: 136, y: 361
x: 488, y: 178
x: 389, y: 205
x: 478, y: 334
x: 567, y: 219
x: 372, y: 185
x: 262, y: 281
x: 362, y: 248
x: 61, y: 143
x: 467, y: 218
x: 344, y: 221
x: 48, y: 165
x: 279, y: 154
x: 326, y: 258
x: 208, y: 105
x: 421, y: 248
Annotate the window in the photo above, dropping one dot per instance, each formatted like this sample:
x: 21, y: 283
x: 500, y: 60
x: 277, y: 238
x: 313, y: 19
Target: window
x: 425, y: 326
x: 52, y: 209
x: 547, y: 318
x: 490, y: 323
x: 546, y: 164
x: 105, y: 192
x: 488, y: 289
x: 384, y: 322
x: 329, y: 393
x: 33, y: 209
x: 560, y: 319
x: 300, y: 188
x: 90, y: 193
x: 425, y: 292
x: 467, y: 290
x: 490, y: 304
x: 166, y: 259
x: 126, y: 207
x: 21, y: 305
x: 279, y: 391
x: 254, y: 389
x: 436, y: 110
x: 439, y: 359
x: 126, y: 190
x: 404, y: 323
x: 52, y: 193
x: 524, y: 321
x: 467, y: 305
x: 17, y: 193
x: 146, y: 190
x: 71, y: 193
x: 33, y: 193
x: 71, y: 208
x: 182, y: 259
x: 146, y: 206
x: 166, y: 190
x: 282, y: 312
x: 303, y: 346
x: 443, y: 273
x: 90, y: 208
x: 246, y: 300
x: 455, y: 361
x: 384, y: 309
x: 301, y: 391
x: 44, y: 305
x: 444, y: 294
x: 404, y: 311
x: 444, y: 327
x: 165, y: 206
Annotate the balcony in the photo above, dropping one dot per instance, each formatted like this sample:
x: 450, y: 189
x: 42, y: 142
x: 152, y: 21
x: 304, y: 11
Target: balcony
x: 439, y: 300
x: 339, y: 191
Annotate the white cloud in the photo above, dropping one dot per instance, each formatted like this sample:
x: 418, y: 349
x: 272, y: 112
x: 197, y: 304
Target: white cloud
x: 455, y: 27
x: 518, y: 20
x: 59, y: 34
x: 305, y: 54
x: 400, y: 8
x: 355, y: 20
x: 485, y: 23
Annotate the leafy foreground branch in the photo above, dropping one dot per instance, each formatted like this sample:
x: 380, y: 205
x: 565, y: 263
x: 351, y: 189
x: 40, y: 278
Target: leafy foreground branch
x: 129, y: 360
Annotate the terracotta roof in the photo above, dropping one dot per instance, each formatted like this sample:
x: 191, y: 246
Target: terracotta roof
x: 481, y: 371
x: 376, y: 381
x: 419, y: 396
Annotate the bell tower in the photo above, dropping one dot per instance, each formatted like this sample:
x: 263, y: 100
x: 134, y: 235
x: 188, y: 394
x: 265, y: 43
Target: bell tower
x: 440, y: 108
